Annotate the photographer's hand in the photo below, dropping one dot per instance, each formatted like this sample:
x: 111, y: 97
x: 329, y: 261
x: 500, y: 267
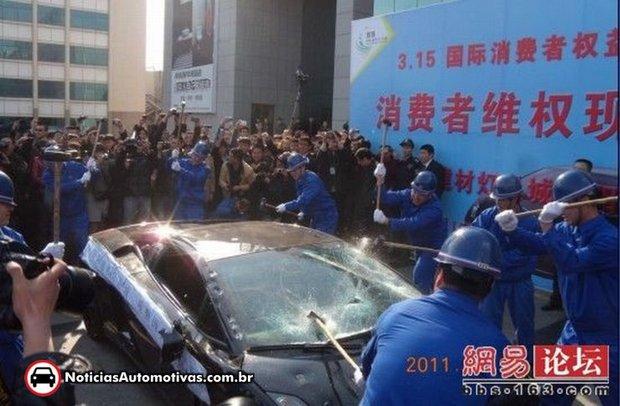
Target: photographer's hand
x: 34, y: 302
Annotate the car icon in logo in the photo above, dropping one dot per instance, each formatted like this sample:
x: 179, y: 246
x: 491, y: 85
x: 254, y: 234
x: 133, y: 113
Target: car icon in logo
x: 42, y: 375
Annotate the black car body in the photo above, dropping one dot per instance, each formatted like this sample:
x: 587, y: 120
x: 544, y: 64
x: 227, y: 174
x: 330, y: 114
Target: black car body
x: 228, y: 297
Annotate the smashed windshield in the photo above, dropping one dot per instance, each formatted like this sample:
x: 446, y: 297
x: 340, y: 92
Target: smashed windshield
x: 269, y: 294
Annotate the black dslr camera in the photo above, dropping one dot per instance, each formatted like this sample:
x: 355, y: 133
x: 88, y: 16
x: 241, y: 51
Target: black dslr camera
x: 76, y: 285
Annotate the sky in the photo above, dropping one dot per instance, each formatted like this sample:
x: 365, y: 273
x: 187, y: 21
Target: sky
x: 154, y: 34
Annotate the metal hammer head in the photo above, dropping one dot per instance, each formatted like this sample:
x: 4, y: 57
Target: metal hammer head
x: 55, y: 154
x: 314, y: 315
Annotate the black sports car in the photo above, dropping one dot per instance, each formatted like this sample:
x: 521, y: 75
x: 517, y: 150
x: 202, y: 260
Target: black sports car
x: 214, y: 298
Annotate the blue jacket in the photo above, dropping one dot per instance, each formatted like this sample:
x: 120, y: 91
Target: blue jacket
x: 190, y: 181
x: 12, y: 234
x: 72, y: 192
x: 312, y: 197
x: 586, y: 258
x: 516, y: 264
x: 425, y: 225
x: 438, y: 326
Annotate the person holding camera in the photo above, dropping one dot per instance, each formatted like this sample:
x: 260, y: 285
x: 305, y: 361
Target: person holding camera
x: 11, y: 345
x: 33, y: 303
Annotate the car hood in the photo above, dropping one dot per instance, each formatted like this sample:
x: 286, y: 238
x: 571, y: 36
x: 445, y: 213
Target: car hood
x: 315, y: 378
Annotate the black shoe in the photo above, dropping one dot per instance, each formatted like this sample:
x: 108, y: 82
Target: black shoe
x: 552, y: 306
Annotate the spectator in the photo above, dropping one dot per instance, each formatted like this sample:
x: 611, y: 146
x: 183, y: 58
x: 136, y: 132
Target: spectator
x: 583, y: 164
x: 411, y: 165
x: 427, y: 158
x: 363, y: 196
x: 135, y: 169
x: 236, y: 177
x: 98, y: 188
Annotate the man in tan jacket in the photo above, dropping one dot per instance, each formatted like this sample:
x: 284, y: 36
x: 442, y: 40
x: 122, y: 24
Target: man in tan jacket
x: 236, y: 177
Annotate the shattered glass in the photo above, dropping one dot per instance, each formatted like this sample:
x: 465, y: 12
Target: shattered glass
x: 271, y: 293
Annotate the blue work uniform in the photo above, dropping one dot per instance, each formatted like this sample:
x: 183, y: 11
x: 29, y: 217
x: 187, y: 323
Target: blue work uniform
x: 315, y: 202
x: 73, y: 209
x: 11, y: 344
x: 437, y: 327
x: 190, y: 190
x: 586, y: 257
x: 515, y: 284
x: 425, y: 226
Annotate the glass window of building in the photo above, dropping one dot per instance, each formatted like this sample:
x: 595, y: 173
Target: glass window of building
x: 51, y: 53
x: 89, y: 91
x: 15, y: 11
x: 89, y: 20
x: 52, y: 123
x: 50, y: 89
x: 392, y: 6
x: 51, y: 15
x: 89, y: 56
x: 15, y: 88
x: 10, y: 49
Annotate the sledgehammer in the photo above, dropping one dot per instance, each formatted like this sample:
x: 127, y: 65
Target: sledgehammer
x: 264, y: 206
x: 57, y: 157
x: 357, y: 375
x: 366, y: 244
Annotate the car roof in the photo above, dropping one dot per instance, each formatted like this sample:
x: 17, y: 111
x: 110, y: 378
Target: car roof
x: 218, y: 240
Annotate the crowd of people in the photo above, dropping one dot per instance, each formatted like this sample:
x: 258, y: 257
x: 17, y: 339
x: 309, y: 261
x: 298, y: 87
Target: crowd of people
x: 330, y: 180
x: 158, y: 171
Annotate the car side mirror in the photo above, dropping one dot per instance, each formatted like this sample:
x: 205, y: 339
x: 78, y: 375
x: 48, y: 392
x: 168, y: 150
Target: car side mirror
x: 172, y: 347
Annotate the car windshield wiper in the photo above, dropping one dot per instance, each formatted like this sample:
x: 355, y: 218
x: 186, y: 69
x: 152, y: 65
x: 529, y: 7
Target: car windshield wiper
x: 305, y: 347
x: 354, y: 336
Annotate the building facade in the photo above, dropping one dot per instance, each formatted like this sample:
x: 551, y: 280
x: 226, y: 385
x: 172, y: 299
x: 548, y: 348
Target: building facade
x: 258, y: 46
x: 61, y: 59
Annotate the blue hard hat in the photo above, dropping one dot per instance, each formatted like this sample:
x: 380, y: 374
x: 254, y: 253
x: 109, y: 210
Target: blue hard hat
x: 572, y: 185
x: 295, y: 160
x: 506, y: 186
x: 424, y: 183
x: 471, y: 248
x: 7, y: 191
x: 201, y: 148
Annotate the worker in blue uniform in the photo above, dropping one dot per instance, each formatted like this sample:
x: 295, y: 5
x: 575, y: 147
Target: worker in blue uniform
x: 73, y: 210
x: 437, y: 327
x: 515, y: 286
x: 421, y: 218
x: 11, y: 344
x: 312, y: 198
x: 192, y: 174
x: 584, y: 248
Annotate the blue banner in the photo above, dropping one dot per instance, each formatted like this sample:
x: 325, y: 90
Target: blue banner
x: 495, y: 86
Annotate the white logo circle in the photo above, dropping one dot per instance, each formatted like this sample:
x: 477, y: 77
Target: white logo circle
x: 42, y: 378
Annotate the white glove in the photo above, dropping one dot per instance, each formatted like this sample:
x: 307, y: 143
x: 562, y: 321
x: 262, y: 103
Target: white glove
x: 358, y: 378
x: 300, y: 216
x: 379, y: 217
x: 91, y: 164
x: 281, y: 208
x: 55, y: 249
x: 85, y: 178
x: 551, y: 211
x: 175, y: 154
x: 507, y: 220
x: 176, y: 166
x: 380, y: 171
